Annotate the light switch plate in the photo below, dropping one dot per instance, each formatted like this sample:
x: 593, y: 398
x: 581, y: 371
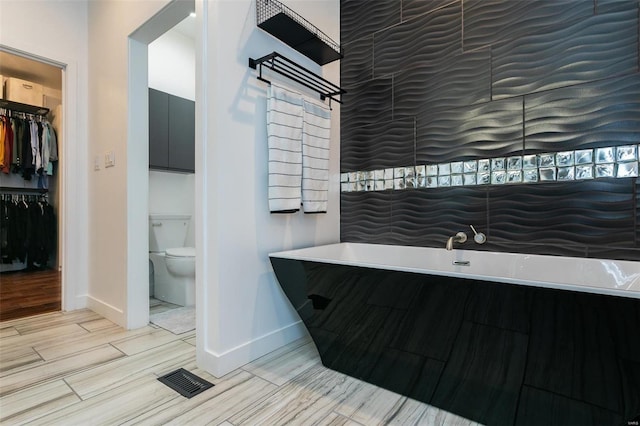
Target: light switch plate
x: 109, y: 159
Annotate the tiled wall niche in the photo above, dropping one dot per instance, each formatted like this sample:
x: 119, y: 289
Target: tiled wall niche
x: 444, y: 83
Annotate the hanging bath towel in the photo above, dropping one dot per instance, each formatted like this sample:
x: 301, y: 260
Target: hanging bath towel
x: 284, y: 135
x: 315, y: 157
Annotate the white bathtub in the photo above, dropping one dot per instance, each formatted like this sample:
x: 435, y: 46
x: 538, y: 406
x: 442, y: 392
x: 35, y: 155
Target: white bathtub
x: 610, y: 277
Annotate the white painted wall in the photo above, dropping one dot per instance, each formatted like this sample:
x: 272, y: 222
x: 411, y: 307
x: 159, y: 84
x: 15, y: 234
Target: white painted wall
x: 112, y: 238
x: 172, y: 69
x: 245, y: 312
x: 60, y: 35
x: 172, y: 64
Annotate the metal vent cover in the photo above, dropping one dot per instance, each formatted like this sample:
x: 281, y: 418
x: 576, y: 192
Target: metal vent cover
x: 185, y: 383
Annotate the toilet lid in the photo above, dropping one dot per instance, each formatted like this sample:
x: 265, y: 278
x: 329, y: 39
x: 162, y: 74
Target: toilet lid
x: 181, y: 252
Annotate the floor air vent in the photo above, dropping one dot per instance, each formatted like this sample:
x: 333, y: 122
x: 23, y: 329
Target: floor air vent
x: 185, y: 383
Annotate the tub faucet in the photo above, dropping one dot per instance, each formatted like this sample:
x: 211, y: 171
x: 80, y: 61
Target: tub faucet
x: 460, y: 237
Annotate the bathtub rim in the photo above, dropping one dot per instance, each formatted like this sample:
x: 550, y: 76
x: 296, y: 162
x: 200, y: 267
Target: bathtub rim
x: 311, y: 254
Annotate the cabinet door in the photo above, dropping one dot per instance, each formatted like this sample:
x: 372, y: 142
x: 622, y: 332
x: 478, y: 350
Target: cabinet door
x: 158, y: 129
x: 181, y: 134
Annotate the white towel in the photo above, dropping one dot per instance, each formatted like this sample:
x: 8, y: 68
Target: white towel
x: 316, y: 134
x: 284, y: 135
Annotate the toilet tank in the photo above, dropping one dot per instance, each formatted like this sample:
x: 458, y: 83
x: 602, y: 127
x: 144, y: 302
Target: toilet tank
x: 167, y: 231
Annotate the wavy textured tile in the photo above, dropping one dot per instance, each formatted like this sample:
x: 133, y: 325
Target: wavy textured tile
x: 485, y: 130
x: 413, y: 8
x: 357, y: 65
x: 607, y: 6
x: 488, y: 21
x: 378, y: 146
x: 637, y: 195
x: 361, y: 18
x: 590, y: 213
x: 418, y: 41
x: 590, y: 115
x: 429, y: 218
x: 562, y: 55
x: 368, y: 103
x: 453, y: 81
x: 365, y: 216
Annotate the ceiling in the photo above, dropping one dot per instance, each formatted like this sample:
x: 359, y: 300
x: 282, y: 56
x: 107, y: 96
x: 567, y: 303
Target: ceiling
x: 187, y: 27
x: 27, y: 69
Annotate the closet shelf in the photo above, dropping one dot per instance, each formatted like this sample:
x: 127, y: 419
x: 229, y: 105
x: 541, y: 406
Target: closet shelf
x: 286, y: 67
x: 286, y: 25
x: 18, y: 107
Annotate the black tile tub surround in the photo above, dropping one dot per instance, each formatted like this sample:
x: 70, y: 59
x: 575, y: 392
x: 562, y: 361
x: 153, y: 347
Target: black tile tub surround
x: 601, y: 113
x: 561, y: 55
x: 494, y: 353
x: 488, y: 21
x: 378, y: 146
x: 472, y: 132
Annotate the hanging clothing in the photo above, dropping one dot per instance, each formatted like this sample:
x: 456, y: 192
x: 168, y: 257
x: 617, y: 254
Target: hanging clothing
x: 27, y: 231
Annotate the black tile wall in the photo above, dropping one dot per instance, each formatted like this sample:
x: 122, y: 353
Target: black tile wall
x: 378, y: 146
x: 418, y: 41
x: 561, y: 55
x: 486, y: 130
x: 488, y: 21
x: 485, y: 78
x: 605, y: 112
x: 460, y: 79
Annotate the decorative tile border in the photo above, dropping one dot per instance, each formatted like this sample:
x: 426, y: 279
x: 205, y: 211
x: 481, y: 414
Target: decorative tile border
x: 619, y: 162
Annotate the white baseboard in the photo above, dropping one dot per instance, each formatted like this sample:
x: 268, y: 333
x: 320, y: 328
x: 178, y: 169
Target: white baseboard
x: 108, y: 311
x: 220, y: 364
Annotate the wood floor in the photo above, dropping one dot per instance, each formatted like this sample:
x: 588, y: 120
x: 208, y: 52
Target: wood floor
x: 28, y: 293
x: 78, y: 368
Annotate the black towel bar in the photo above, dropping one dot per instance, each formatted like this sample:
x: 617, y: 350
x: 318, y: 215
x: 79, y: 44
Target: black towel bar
x: 288, y: 68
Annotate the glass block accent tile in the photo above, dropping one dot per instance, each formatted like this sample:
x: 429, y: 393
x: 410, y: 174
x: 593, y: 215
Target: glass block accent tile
x: 606, y: 162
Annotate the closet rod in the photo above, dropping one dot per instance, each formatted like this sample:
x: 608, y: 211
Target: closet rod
x: 24, y: 108
x: 288, y: 68
x: 25, y: 191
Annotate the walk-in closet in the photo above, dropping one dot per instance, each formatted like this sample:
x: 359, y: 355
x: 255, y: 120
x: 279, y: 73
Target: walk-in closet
x: 30, y: 179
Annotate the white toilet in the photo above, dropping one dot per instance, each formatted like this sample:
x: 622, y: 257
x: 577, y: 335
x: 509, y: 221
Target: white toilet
x: 174, y: 265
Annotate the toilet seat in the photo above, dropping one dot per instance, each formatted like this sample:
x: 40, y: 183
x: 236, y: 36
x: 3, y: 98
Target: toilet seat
x: 181, y: 252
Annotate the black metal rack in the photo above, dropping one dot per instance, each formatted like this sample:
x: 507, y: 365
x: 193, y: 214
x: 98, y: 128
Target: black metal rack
x: 286, y: 25
x: 25, y: 108
x: 288, y: 68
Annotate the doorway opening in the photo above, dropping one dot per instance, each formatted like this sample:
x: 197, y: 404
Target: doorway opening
x: 30, y: 185
x: 162, y: 75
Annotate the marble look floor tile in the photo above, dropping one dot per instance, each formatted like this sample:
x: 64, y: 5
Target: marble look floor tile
x: 410, y: 412
x: 50, y: 351
x: 8, y: 331
x: 225, y: 423
x: 98, y: 324
x: 143, y: 342
x: 18, y: 359
x: 114, y: 406
x: 45, y: 321
x: 58, y: 368
x: 489, y: 356
x: 538, y: 407
x: 17, y: 352
x: 282, y: 365
x: 159, y: 360
x: 368, y: 404
x: 190, y: 340
x: 215, y: 405
x: 335, y: 419
x: 35, y: 401
x: 306, y: 399
x: 50, y: 335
